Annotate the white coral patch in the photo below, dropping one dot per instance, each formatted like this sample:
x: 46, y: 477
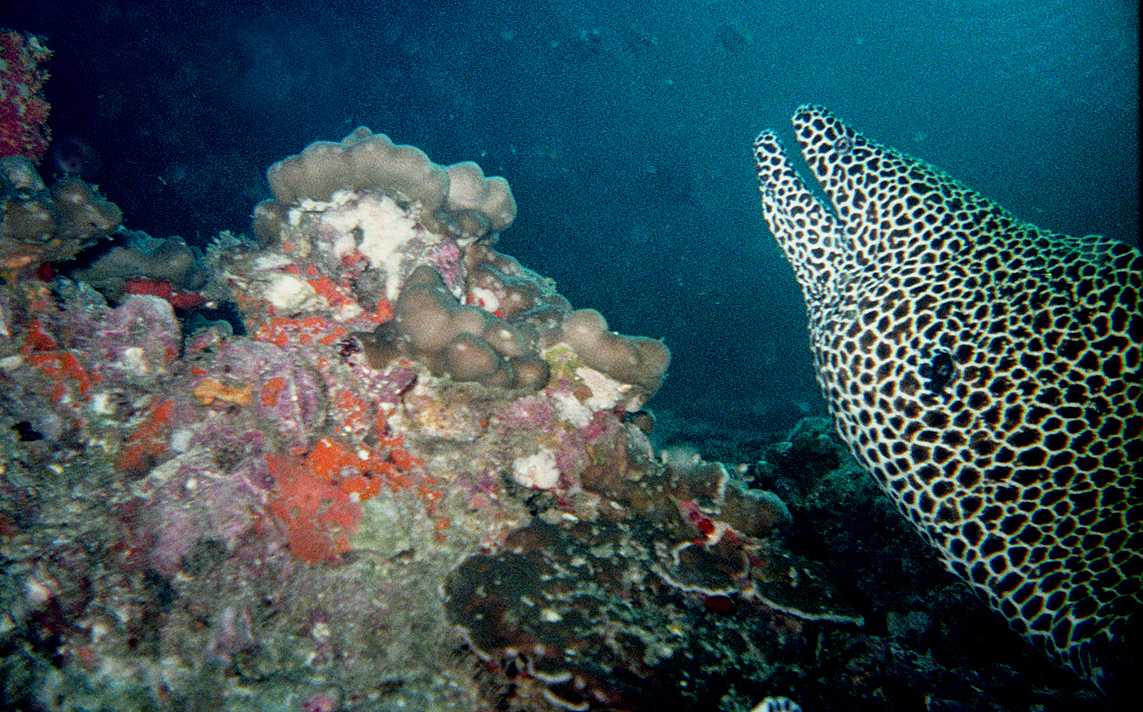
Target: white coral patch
x: 270, y: 261
x: 181, y: 440
x: 486, y: 299
x: 344, y: 244
x: 134, y: 360
x: 101, y: 403
x: 289, y: 293
x: 382, y: 227
x: 570, y: 410
x: 605, y: 392
x: 347, y: 311
x: 538, y: 471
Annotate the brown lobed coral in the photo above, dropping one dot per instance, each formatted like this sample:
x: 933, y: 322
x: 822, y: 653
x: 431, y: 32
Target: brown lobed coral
x: 40, y: 225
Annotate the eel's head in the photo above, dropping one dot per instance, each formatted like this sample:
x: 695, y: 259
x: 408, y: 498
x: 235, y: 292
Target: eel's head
x: 884, y: 208
x: 986, y: 373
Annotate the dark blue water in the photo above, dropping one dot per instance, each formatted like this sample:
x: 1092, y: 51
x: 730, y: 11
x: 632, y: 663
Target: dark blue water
x: 625, y: 133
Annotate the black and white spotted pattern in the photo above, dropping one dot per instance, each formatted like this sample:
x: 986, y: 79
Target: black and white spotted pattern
x: 987, y: 373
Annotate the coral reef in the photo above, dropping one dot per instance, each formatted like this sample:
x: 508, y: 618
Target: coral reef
x: 610, y: 601
x: 416, y: 478
x: 376, y: 225
x: 225, y: 463
x: 456, y: 199
x: 142, y: 264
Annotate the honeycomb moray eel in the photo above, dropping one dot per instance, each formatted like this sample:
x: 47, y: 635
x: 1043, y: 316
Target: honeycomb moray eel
x: 986, y: 372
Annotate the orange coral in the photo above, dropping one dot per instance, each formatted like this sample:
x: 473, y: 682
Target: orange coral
x: 337, y: 295
x: 62, y: 368
x: 210, y: 390
x: 330, y: 460
x: 282, y: 331
x: 318, y: 516
x: 352, y: 412
x: 149, y: 440
x: 382, y: 313
x: 38, y: 339
x: 317, y: 499
x: 272, y: 391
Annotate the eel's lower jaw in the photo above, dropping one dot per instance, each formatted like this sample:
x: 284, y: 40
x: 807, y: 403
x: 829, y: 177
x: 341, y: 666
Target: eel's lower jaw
x: 1120, y: 680
x: 766, y: 146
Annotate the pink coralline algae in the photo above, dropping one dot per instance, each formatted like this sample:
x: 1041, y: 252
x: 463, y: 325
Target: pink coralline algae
x: 23, y: 108
x: 139, y: 337
x: 446, y: 259
x: 530, y: 413
x: 286, y: 392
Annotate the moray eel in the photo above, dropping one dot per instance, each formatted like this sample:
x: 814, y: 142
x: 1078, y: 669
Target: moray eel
x: 986, y: 372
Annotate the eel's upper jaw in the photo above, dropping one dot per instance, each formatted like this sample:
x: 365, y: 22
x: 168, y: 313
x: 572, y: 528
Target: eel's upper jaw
x: 889, y: 204
x: 808, y: 234
x: 819, y: 132
x: 838, y: 157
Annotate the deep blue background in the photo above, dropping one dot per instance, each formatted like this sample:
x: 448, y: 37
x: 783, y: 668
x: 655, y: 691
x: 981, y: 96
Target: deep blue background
x: 625, y: 133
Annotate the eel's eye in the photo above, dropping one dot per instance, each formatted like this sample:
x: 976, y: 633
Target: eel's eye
x: 843, y: 146
x: 938, y: 371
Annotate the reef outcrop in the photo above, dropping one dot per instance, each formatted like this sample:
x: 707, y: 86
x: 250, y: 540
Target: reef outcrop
x: 389, y: 395
x: 369, y: 462
x: 401, y: 230
x: 456, y: 199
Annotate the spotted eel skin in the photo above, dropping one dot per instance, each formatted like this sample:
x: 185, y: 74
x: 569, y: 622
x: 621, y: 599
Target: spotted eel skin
x: 986, y: 372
